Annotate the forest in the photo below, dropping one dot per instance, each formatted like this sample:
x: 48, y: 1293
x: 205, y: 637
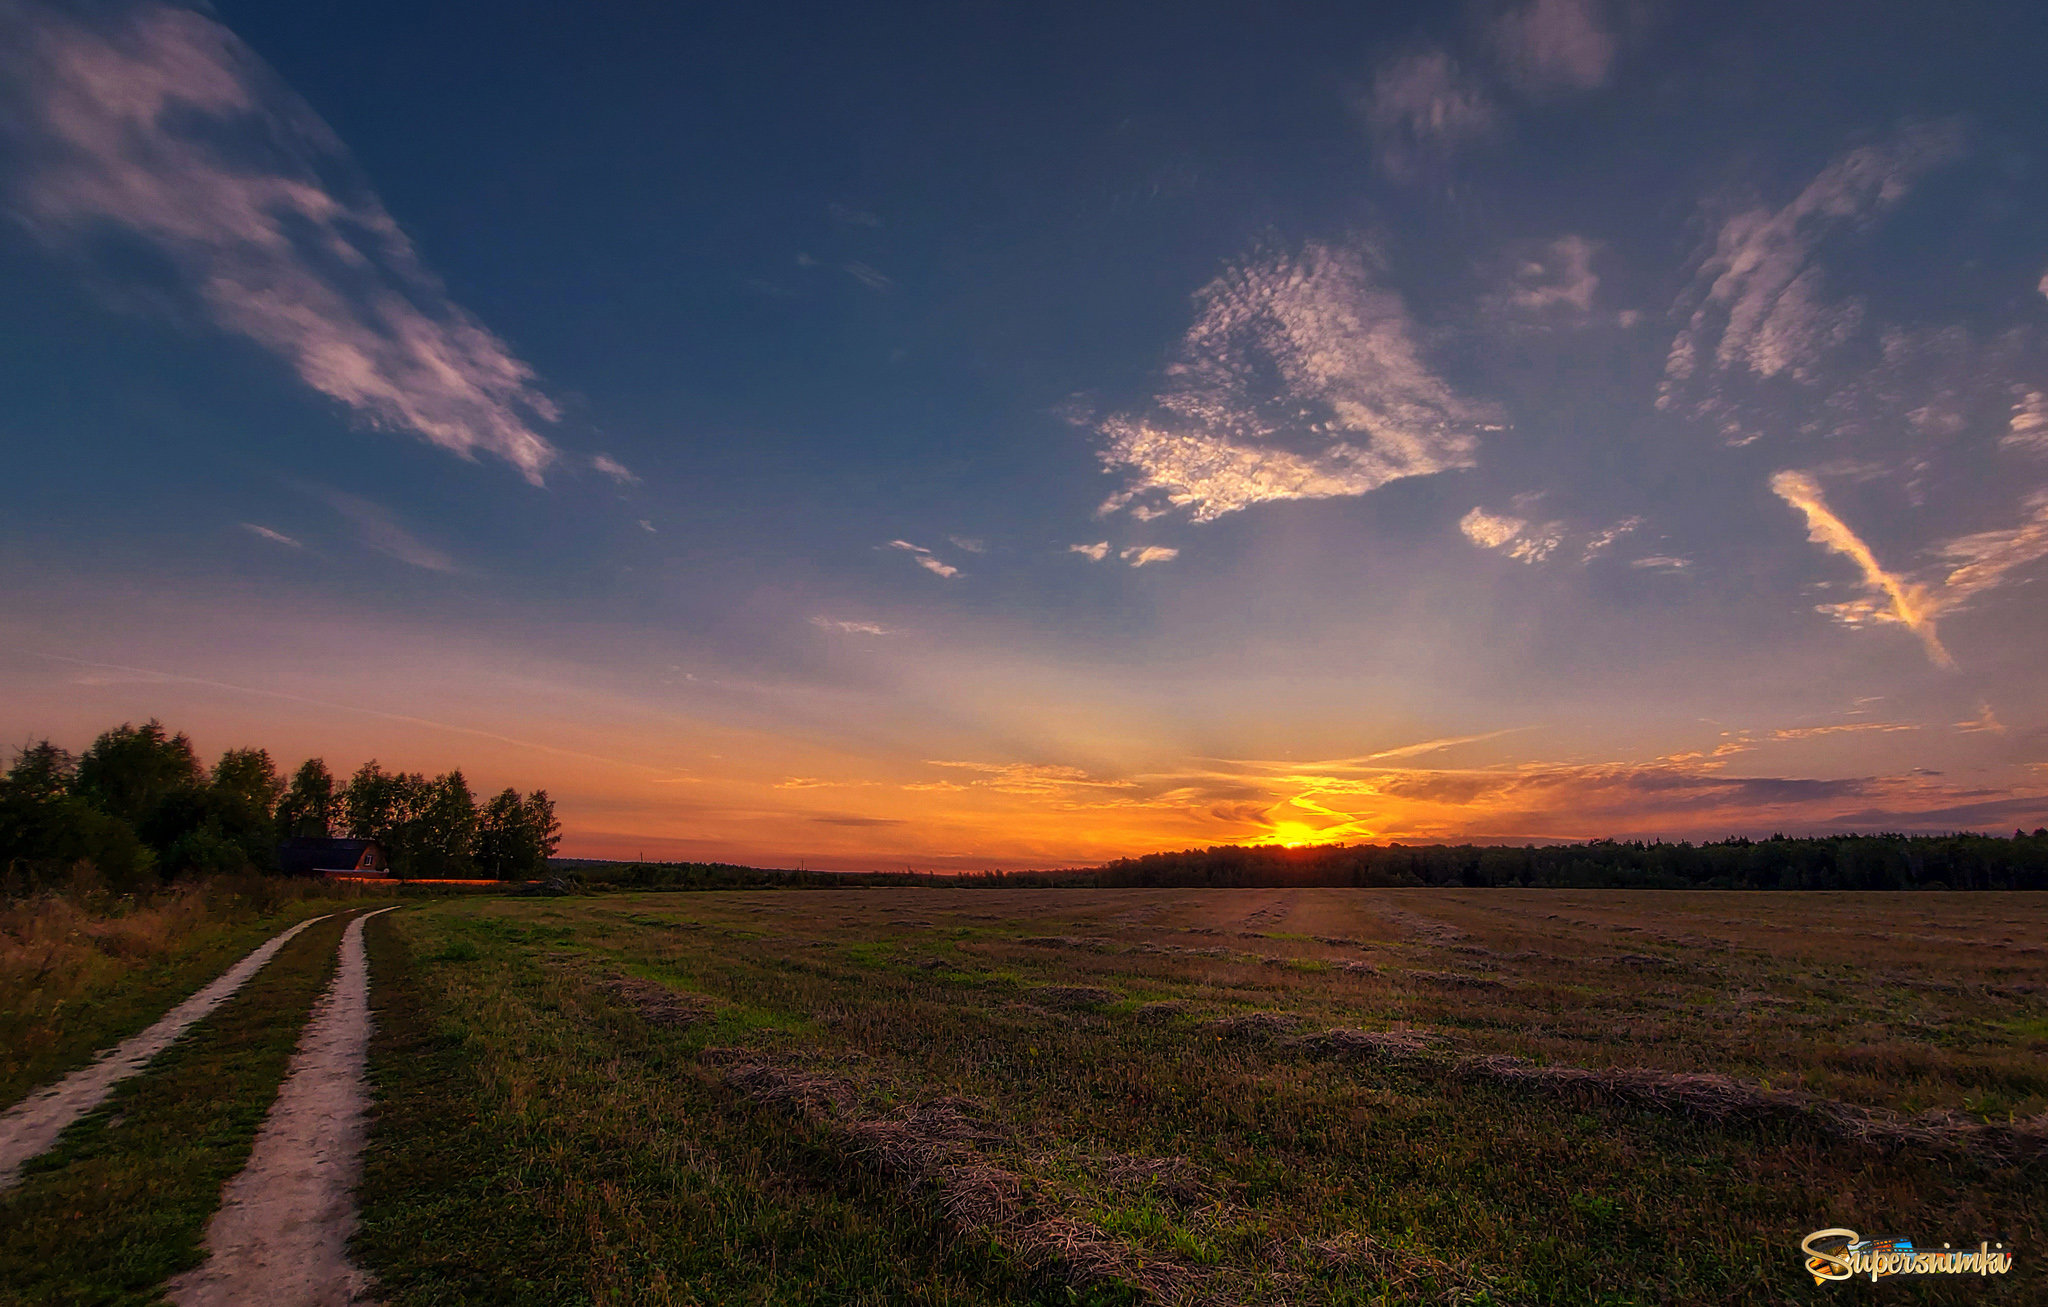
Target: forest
x: 1828, y: 862
x: 140, y: 808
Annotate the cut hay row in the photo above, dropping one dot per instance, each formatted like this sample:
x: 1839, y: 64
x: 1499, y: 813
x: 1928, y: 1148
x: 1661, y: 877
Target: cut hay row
x: 659, y: 1005
x: 1706, y: 1095
x: 936, y: 1147
x: 1721, y: 1098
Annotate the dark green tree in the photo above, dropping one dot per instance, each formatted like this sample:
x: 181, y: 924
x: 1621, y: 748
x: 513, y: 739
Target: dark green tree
x: 443, y: 828
x: 130, y: 770
x: 225, y: 824
x: 46, y: 829
x: 516, y: 837
x: 308, y: 808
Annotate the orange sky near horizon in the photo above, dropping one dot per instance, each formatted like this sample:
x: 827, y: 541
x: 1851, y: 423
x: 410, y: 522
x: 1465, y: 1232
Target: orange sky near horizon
x: 706, y: 766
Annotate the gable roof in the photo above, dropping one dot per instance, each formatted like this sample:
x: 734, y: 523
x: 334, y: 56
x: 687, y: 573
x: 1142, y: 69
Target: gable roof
x: 311, y: 853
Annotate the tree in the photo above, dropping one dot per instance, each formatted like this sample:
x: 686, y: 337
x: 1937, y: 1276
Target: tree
x: 515, y: 836
x: 46, y: 829
x: 308, y: 807
x: 543, y: 832
x: 249, y: 777
x: 443, y: 828
x: 129, y: 770
x: 41, y: 771
x: 385, y: 807
x: 226, y: 824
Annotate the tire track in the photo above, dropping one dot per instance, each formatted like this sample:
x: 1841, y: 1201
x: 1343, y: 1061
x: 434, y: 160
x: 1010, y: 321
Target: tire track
x: 31, y: 1127
x: 281, y: 1234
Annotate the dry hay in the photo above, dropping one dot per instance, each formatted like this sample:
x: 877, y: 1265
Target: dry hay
x: 1173, y: 1178
x: 1750, y: 998
x: 1406, y: 1275
x: 1071, y: 997
x: 1344, y: 1042
x: 657, y: 1004
x: 1271, y: 914
x: 1254, y: 1025
x: 1457, y: 979
x: 1719, y: 1098
x: 1092, y: 943
x: 935, y: 1146
x: 1163, y: 1011
x: 1428, y: 929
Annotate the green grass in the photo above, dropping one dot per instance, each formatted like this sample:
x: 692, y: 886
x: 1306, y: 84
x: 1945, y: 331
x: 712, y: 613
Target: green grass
x: 835, y: 1105
x: 122, y: 1202
x: 77, y: 978
x: 608, y: 1160
x: 536, y: 1142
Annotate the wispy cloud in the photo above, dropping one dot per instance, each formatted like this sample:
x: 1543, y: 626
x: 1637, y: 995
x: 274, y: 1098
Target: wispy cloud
x: 1557, y: 280
x: 1760, y: 308
x: 276, y: 537
x: 1097, y: 551
x: 1604, y: 539
x: 1423, y: 107
x: 158, y: 124
x: 850, y: 216
x: 1985, y: 720
x: 1300, y: 379
x: 376, y: 528
x: 1025, y: 778
x: 925, y: 559
x: 969, y: 544
x: 1902, y: 602
x: 2028, y: 427
x: 1549, y: 45
x: 1490, y: 530
x: 1987, y: 559
x: 1840, y: 728
x: 1139, y: 555
x: 1661, y: 563
x: 870, y: 277
x: 614, y: 469
x: 849, y: 627
x: 1376, y: 797
x: 1517, y: 538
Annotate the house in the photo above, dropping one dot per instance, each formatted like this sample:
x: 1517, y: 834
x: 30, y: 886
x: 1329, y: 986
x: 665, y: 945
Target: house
x: 311, y: 857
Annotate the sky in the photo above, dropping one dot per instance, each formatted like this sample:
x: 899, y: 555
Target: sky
x: 979, y: 435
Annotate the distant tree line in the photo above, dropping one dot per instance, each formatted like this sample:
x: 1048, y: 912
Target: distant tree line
x: 139, y: 807
x: 1830, y: 862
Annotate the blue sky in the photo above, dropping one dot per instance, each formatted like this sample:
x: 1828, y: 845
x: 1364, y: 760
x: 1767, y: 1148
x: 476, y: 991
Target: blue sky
x: 970, y: 435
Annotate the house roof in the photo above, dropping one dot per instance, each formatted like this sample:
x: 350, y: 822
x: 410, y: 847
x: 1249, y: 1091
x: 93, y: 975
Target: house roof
x: 311, y: 853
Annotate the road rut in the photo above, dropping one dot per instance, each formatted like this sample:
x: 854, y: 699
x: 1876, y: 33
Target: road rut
x: 281, y: 1235
x: 31, y: 1127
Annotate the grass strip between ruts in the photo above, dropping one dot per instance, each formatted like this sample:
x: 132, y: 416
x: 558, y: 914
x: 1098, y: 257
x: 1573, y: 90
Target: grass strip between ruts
x: 121, y: 1203
x: 42, y: 1041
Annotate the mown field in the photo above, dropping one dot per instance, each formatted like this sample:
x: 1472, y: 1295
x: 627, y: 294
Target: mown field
x: 1230, y: 1096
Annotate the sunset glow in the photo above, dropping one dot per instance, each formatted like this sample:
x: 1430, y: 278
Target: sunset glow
x: 796, y: 443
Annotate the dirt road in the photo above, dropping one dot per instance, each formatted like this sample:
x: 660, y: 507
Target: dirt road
x: 31, y: 1127
x: 281, y: 1235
